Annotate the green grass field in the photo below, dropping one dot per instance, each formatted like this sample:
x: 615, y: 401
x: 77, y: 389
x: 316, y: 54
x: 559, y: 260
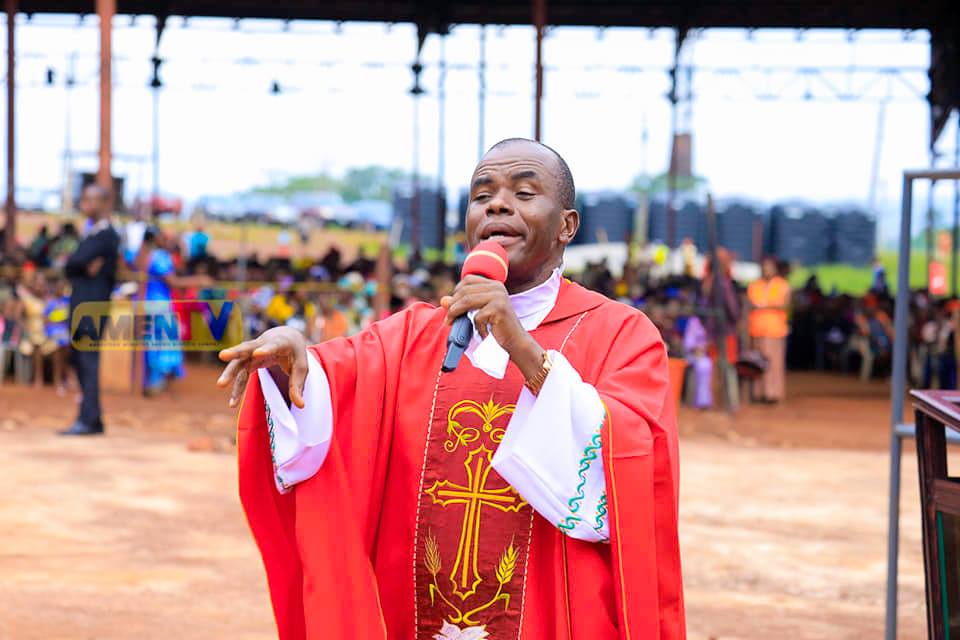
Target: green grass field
x: 856, y: 280
x: 229, y: 239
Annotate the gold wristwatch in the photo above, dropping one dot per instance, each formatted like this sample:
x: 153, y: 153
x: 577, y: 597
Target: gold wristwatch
x: 536, y: 383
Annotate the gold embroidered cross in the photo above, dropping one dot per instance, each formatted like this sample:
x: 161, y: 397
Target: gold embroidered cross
x: 473, y: 495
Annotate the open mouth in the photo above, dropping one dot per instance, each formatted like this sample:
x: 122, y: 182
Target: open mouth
x: 504, y: 239
x: 501, y: 234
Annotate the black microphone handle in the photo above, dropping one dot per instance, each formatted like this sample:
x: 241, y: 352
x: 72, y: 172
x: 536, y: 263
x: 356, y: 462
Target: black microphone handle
x: 457, y: 341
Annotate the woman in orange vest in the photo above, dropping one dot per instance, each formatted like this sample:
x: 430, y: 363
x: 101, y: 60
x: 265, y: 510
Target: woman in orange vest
x: 769, y: 300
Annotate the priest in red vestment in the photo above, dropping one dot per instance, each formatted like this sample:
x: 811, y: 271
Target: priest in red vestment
x: 529, y: 494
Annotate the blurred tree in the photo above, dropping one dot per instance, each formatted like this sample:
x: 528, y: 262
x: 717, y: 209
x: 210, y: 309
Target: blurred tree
x: 661, y: 184
x: 373, y: 182
x: 303, y: 184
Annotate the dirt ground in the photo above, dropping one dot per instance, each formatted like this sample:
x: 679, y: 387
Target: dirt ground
x: 140, y: 535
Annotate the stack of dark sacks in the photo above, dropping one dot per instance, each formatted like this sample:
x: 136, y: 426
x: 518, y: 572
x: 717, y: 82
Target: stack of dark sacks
x: 690, y: 222
x: 854, y: 237
x: 799, y: 233
x: 606, y: 217
x: 740, y: 229
x: 432, y: 215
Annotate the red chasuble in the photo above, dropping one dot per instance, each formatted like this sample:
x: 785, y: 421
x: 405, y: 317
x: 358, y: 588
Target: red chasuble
x: 406, y: 529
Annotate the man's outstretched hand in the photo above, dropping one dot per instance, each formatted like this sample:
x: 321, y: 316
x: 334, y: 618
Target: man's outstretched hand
x: 282, y: 347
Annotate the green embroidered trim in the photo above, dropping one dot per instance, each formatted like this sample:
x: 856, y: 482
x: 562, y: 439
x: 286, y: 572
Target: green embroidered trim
x: 273, y: 445
x: 589, y: 455
x: 601, y: 512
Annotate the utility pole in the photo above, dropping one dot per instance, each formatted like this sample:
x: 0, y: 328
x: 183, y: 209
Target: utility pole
x: 155, y: 85
x: 416, y: 92
x: 11, y: 204
x: 441, y: 145
x: 539, y: 22
x: 106, y: 10
x: 482, y: 94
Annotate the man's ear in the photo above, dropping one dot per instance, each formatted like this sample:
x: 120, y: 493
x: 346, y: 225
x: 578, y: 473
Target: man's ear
x: 569, y: 224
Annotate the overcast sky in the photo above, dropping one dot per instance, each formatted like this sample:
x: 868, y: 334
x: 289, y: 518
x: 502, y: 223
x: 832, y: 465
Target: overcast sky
x: 344, y: 102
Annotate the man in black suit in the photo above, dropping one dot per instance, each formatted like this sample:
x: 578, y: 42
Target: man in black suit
x: 92, y: 270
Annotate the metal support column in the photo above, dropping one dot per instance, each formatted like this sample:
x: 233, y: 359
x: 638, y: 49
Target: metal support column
x: 877, y: 152
x: 539, y: 22
x: 931, y: 230
x: 66, y: 200
x: 898, y: 388
x: 10, y: 206
x: 416, y: 92
x: 674, y: 118
x: 899, y: 385
x: 482, y: 94
x: 415, y: 181
x: 441, y: 145
x: 105, y: 11
x: 955, y: 232
x: 155, y: 85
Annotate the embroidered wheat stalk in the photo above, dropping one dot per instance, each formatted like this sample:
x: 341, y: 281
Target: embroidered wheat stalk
x: 431, y: 560
x: 508, y: 562
x: 505, y: 569
x: 432, y: 555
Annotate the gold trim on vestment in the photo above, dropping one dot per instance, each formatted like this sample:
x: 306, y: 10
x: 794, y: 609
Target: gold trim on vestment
x: 416, y: 527
x: 615, y: 522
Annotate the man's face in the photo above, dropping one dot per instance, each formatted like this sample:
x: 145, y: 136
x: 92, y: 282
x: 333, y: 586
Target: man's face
x: 769, y: 269
x: 91, y: 202
x: 515, y: 200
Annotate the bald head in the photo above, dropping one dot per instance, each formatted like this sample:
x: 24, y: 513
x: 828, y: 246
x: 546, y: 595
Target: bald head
x: 521, y: 195
x: 566, y: 190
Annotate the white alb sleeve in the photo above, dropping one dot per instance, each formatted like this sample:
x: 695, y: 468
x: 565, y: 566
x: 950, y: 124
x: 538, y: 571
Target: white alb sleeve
x: 299, y: 438
x: 551, y: 453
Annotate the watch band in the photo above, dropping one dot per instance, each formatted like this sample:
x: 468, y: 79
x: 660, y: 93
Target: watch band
x: 536, y: 383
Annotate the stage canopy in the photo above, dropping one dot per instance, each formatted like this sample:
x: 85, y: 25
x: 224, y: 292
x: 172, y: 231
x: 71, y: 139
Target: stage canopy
x: 940, y: 17
x: 434, y: 14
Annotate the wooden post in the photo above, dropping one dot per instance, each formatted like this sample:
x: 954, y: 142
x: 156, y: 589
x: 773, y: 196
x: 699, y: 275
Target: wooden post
x: 105, y: 10
x: 539, y: 22
x: 10, y: 206
x: 757, y: 240
x: 384, y: 274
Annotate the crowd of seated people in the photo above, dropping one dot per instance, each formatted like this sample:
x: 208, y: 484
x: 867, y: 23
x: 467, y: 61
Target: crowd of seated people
x: 701, y: 317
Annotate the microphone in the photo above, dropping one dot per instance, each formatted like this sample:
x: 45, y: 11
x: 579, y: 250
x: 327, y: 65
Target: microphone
x: 488, y: 259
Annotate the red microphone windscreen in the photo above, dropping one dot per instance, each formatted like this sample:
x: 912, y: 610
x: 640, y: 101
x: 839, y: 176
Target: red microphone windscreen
x: 488, y: 259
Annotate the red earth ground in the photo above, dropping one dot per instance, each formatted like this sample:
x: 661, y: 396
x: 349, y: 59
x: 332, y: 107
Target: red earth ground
x: 140, y: 535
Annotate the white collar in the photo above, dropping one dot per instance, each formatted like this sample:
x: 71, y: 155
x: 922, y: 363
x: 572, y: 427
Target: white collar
x: 98, y: 226
x: 532, y: 307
